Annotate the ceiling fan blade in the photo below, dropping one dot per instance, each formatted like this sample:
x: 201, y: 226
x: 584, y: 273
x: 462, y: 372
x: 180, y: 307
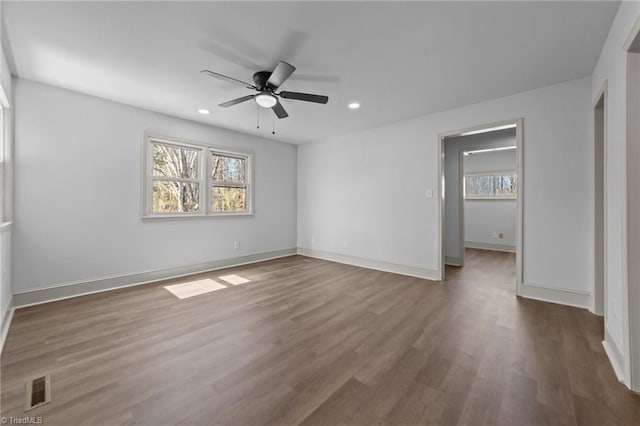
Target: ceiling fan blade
x: 227, y: 78
x: 320, y: 99
x: 278, y: 109
x: 280, y: 74
x: 236, y: 101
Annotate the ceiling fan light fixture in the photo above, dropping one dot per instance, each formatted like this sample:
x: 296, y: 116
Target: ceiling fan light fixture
x: 266, y: 100
x: 265, y: 84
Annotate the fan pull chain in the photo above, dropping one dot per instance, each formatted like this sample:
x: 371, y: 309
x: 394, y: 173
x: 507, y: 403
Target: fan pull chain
x: 257, y: 116
x: 273, y: 124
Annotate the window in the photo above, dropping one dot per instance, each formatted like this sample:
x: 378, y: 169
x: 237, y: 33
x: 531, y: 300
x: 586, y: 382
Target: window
x: 176, y: 179
x: 178, y: 175
x: 486, y: 186
x: 228, y: 183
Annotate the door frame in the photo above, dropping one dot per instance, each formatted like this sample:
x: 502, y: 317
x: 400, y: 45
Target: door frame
x: 519, y: 125
x: 630, y: 211
x: 596, y: 302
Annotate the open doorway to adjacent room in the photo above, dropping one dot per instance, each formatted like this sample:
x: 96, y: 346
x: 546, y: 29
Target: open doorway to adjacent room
x: 481, y: 203
x: 632, y: 290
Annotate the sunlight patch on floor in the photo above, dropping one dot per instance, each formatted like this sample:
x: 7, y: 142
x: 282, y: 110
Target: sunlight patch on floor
x: 234, y: 279
x: 194, y: 288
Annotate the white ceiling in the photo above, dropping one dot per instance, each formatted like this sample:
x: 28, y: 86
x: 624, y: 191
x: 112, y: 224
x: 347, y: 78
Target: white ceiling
x: 399, y: 60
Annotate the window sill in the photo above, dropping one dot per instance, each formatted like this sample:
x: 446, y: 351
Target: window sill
x: 195, y: 216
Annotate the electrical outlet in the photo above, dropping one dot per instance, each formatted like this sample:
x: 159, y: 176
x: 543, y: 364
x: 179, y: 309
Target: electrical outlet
x: 501, y: 235
x: 236, y: 245
x: 429, y: 193
x: 494, y: 235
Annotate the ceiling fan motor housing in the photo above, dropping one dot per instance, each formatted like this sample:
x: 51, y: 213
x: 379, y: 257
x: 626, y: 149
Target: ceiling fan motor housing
x: 260, y: 80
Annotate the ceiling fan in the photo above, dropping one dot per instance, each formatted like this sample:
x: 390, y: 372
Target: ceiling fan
x: 266, y: 83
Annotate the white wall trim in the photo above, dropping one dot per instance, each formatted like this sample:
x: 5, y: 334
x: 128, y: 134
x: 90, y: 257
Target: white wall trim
x: 490, y: 246
x: 556, y: 295
x: 379, y: 265
x: 66, y: 291
x: 602, y: 94
x: 6, y: 323
x: 614, y: 354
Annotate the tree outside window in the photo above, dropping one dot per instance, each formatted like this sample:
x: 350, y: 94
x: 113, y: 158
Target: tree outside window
x: 178, y: 173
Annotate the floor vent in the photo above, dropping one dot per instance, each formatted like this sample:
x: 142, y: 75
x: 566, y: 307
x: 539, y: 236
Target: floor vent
x: 38, y: 392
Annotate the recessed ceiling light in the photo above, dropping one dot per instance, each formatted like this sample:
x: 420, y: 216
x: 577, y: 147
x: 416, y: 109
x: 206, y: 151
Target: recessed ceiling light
x: 204, y: 111
x: 354, y: 105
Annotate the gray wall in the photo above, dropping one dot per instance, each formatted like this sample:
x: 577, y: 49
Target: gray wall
x: 369, y: 189
x: 78, y: 193
x: 611, y: 71
x: 5, y: 232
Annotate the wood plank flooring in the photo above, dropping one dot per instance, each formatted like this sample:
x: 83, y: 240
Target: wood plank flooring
x: 318, y: 343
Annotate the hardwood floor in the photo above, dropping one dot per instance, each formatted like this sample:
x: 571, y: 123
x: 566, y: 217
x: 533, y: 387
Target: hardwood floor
x: 312, y: 342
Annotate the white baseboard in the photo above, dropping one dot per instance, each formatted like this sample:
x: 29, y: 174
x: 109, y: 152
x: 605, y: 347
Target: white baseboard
x: 614, y: 354
x: 6, y: 323
x: 453, y: 261
x: 378, y: 265
x: 555, y: 295
x: 489, y: 246
x: 36, y: 297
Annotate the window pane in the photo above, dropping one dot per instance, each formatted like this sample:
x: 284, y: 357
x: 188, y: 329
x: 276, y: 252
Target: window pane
x: 227, y: 169
x: 479, y: 186
x: 175, y: 197
x: 228, y: 199
x: 175, y: 161
x: 491, y: 186
x: 506, y: 185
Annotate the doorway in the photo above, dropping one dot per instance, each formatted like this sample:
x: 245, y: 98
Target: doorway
x: 600, y: 160
x: 632, y: 307
x: 452, y: 192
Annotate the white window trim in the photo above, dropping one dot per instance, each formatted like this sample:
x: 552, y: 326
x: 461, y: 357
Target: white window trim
x: 489, y: 173
x: 205, y: 178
